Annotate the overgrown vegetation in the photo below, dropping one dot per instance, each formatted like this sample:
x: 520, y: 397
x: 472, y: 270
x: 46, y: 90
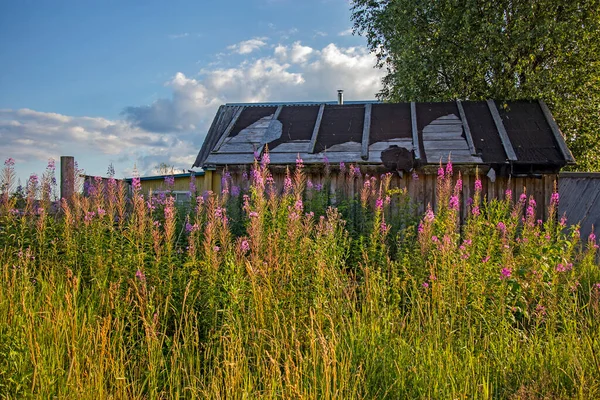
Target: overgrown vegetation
x: 135, y: 298
x: 505, y: 50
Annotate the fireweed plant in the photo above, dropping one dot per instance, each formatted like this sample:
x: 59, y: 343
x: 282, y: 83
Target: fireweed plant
x: 266, y: 291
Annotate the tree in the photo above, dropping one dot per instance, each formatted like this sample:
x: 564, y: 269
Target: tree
x: 437, y: 50
x: 165, y: 169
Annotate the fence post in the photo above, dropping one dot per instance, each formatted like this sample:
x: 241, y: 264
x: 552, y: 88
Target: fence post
x: 67, y: 177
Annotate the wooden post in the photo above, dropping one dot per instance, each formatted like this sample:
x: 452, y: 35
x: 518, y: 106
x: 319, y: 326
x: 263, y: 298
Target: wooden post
x: 67, y: 177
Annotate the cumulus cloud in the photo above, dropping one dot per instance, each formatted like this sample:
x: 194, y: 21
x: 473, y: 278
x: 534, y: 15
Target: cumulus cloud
x: 248, y: 46
x: 172, y: 129
x: 291, y: 73
x: 347, y: 32
x: 29, y: 135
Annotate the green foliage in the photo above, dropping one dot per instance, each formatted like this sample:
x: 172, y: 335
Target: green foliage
x: 476, y: 49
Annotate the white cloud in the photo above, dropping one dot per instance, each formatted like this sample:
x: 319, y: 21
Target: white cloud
x: 299, y: 54
x: 248, y: 46
x: 172, y: 129
x: 347, y: 32
x: 29, y: 135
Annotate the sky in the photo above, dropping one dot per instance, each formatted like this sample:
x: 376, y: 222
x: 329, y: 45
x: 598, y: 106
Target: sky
x: 137, y: 83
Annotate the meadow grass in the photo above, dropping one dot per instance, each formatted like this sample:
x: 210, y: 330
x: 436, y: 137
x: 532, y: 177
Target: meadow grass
x: 254, y: 293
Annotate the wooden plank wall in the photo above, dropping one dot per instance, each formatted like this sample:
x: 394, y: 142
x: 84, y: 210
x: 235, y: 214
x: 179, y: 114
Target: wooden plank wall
x: 580, y: 200
x: 423, y: 189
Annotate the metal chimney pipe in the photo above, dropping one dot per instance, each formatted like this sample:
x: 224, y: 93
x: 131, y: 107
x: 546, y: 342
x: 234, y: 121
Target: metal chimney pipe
x: 340, y: 97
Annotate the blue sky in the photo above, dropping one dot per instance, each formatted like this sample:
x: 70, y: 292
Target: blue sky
x: 136, y: 83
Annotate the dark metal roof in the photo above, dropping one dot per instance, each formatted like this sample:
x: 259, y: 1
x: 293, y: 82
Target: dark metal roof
x: 162, y: 177
x: 519, y: 133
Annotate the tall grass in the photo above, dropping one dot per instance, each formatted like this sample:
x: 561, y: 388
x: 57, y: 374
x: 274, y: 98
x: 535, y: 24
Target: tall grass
x: 260, y: 294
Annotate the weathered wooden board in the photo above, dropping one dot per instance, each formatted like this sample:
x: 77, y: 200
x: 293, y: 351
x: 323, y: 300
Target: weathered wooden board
x: 229, y: 128
x: 233, y: 158
x: 348, y: 146
x: 454, y: 129
x: 457, y: 157
x: 466, y: 128
x: 415, y: 132
x: 365, y: 134
x: 296, y: 146
x: 580, y: 201
x: 315, y: 134
x: 508, y: 148
x: 234, y: 148
x: 558, y: 137
x: 380, y: 146
x: 450, y: 144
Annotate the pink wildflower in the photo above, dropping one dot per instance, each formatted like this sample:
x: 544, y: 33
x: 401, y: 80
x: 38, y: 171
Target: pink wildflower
x: 287, y: 184
x: 458, y: 186
x: 245, y: 246
x: 449, y: 168
x: 505, y: 273
x: 454, y: 203
x: 523, y: 198
x: 265, y: 160
x: 136, y: 184
x: 429, y: 215
x: 140, y: 275
x: 478, y: 185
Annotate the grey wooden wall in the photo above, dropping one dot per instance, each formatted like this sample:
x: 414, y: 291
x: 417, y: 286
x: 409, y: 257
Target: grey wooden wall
x: 422, y: 189
x: 580, y: 199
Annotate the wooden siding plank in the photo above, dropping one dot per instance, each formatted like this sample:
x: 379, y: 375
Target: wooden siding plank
x: 365, y: 135
x: 415, y: 132
x: 457, y: 157
x: 277, y: 112
x: 510, y: 152
x: 451, y: 144
x: 443, y: 128
x: 229, y: 128
x: 315, y: 134
x: 380, y: 146
x: 296, y: 146
x: 557, y: 133
x: 466, y: 127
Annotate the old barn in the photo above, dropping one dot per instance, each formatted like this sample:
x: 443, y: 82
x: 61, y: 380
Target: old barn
x: 511, y: 144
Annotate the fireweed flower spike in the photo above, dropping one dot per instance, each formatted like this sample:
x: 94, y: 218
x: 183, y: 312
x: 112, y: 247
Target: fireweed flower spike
x: 140, y: 275
x: 505, y: 273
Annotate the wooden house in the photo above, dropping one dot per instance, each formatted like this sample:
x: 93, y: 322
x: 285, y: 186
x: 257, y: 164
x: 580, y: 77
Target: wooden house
x: 511, y: 144
x: 180, y: 185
